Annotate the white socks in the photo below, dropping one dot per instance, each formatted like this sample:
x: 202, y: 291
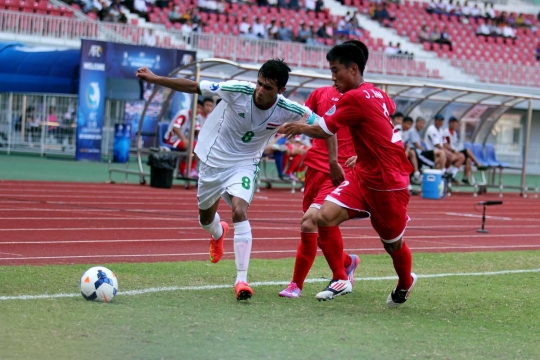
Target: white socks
x: 453, y: 170
x: 214, y: 228
x: 242, y: 249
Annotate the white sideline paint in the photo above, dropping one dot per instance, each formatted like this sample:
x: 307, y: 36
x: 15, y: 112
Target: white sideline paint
x: 265, y: 283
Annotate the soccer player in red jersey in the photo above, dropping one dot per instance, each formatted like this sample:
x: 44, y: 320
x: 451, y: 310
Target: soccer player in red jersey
x: 326, y: 166
x: 377, y: 186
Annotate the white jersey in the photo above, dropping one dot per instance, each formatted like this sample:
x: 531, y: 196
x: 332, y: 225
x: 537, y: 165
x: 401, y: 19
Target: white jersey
x: 433, y: 137
x: 451, y: 138
x: 236, y: 132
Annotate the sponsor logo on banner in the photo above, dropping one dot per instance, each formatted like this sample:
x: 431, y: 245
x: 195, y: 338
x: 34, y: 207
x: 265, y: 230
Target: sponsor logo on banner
x: 95, y: 51
x: 93, y: 95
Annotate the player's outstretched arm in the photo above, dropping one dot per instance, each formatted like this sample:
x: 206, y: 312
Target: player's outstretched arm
x: 314, y: 131
x: 177, y: 84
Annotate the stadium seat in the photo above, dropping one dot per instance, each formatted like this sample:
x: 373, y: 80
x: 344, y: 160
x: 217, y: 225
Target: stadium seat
x: 478, y: 152
x: 492, y: 157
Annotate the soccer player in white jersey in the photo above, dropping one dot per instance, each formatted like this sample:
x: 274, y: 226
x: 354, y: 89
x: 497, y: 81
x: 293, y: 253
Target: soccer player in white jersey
x: 230, y: 146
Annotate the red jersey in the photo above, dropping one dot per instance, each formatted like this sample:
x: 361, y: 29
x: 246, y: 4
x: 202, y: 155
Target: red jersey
x: 323, y: 102
x: 382, y: 164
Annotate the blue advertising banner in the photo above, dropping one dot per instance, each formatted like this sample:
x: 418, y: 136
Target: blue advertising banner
x: 122, y: 142
x: 92, y: 83
x: 101, y: 60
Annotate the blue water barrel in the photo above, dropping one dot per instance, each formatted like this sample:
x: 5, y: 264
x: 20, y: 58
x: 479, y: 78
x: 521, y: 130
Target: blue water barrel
x: 432, y: 184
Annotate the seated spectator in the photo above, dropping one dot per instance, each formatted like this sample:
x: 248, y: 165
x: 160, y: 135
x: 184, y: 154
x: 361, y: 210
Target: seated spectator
x: 423, y: 34
x: 432, y: 6
x: 244, y: 26
x: 258, y: 29
x: 175, y: 15
x: 508, y: 33
x: 391, y: 50
x: 537, y: 52
x: 294, y: 5
x: 489, y: 11
x: 319, y: 6
x: 450, y: 9
x: 430, y: 158
x: 284, y: 33
x: 466, y: 9
x: 407, y: 124
x: 272, y: 30
x: 440, y: 7
x: 444, y: 38
x: 303, y: 33
x: 382, y: 16
x: 484, y: 29
x: 187, y: 29
x: 475, y: 11
x: 140, y: 8
x: 451, y: 143
x: 310, y: 5
x: 150, y: 38
x: 519, y: 21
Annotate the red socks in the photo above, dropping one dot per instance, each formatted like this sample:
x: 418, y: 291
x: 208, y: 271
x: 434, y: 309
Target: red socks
x: 296, y: 160
x: 305, y: 256
x: 403, y: 265
x: 331, y: 244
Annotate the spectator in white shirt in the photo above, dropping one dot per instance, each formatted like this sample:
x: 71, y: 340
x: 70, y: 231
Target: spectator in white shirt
x: 466, y: 9
x: 434, y: 139
x: 244, y: 25
x: 150, y: 38
x: 475, y: 11
x: 258, y: 29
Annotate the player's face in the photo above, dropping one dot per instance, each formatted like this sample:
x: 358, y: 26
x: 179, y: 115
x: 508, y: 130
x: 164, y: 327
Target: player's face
x: 439, y: 123
x: 420, y: 125
x: 454, y: 125
x: 266, y: 92
x: 200, y: 109
x: 406, y: 125
x: 344, y: 78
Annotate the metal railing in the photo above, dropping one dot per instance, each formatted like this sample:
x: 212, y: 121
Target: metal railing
x: 56, y: 27
x: 47, y: 123
x: 256, y: 51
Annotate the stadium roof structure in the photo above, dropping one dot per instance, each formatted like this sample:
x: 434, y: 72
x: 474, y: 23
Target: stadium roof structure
x: 429, y: 97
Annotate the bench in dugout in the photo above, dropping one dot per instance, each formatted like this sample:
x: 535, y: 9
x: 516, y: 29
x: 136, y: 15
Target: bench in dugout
x: 268, y: 176
x: 486, y: 156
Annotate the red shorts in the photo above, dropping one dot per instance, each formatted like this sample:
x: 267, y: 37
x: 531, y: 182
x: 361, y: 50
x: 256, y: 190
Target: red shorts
x: 317, y: 186
x: 179, y: 144
x: 386, y: 209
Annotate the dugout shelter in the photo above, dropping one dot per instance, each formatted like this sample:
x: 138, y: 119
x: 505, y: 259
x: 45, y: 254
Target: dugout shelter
x: 479, y: 107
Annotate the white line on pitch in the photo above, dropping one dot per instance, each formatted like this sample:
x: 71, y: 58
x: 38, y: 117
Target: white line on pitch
x: 478, y: 216
x: 262, y: 283
x: 292, y: 251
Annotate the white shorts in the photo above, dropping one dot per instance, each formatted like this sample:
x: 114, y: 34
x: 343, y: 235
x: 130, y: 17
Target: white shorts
x: 236, y: 181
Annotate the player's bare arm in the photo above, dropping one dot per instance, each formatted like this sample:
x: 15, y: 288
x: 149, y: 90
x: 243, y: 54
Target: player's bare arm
x: 181, y: 136
x: 314, y: 131
x: 177, y: 84
x: 337, y: 175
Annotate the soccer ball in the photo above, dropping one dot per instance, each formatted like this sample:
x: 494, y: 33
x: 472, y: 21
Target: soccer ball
x: 99, y: 283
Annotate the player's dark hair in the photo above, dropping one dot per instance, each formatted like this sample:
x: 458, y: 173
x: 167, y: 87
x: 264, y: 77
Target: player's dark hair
x: 276, y: 69
x: 408, y: 119
x: 362, y: 46
x: 453, y: 119
x: 397, y: 114
x: 205, y: 100
x: 348, y: 54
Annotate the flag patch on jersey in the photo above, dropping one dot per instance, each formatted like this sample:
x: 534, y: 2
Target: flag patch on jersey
x: 331, y: 111
x: 271, y: 126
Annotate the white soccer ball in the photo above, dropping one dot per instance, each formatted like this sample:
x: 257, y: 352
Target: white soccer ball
x: 99, y: 283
